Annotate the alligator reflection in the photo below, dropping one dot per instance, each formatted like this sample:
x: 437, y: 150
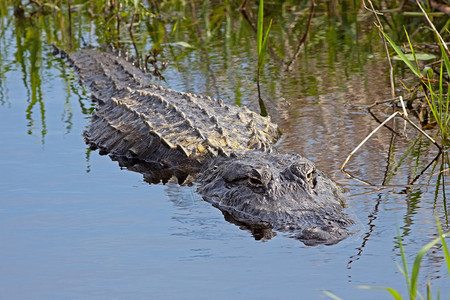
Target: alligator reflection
x: 155, y: 173
x: 261, y: 232
x: 284, y: 204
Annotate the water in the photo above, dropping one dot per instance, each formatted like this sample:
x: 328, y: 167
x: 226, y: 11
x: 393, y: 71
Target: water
x: 74, y: 225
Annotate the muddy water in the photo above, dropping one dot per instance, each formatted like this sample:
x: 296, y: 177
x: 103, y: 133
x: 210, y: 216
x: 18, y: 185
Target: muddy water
x: 74, y: 225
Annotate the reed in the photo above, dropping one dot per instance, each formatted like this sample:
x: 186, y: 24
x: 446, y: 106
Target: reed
x: 412, y: 279
x: 435, y: 91
x: 261, y: 46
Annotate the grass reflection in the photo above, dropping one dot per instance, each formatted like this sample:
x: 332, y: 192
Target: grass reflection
x: 213, y: 39
x: 29, y: 57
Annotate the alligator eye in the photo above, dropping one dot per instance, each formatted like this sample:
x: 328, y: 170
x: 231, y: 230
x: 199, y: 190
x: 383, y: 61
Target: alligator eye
x: 254, y: 180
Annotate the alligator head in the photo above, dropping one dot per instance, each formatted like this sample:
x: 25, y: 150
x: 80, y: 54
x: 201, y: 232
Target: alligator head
x: 283, y: 192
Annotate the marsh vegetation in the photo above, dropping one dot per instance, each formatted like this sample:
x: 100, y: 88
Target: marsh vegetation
x: 319, y: 69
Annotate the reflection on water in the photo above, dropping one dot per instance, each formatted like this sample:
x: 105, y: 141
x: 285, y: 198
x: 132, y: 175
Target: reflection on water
x: 62, y: 198
x: 29, y: 57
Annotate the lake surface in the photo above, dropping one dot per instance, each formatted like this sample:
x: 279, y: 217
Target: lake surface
x: 74, y: 225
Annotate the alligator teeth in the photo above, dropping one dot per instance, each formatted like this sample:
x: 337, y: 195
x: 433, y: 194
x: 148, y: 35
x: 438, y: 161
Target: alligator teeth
x: 149, y: 125
x: 133, y: 152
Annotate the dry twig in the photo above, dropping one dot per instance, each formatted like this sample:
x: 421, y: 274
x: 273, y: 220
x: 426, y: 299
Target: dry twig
x: 367, y: 138
x: 404, y: 115
x: 434, y: 28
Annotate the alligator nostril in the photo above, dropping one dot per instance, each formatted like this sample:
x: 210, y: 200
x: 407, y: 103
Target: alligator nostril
x: 312, y: 177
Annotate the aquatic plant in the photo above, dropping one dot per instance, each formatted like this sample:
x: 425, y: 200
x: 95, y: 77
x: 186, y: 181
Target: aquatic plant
x: 261, y: 44
x: 436, y: 96
x: 412, y: 279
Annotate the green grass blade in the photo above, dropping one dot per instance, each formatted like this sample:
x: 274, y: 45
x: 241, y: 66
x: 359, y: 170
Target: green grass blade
x: 394, y: 293
x: 445, y: 58
x: 447, y: 68
x: 441, y: 101
x: 400, y: 268
x: 402, y: 55
x: 264, y: 47
x: 412, y: 49
x: 259, y: 31
x: 444, y: 246
x: 429, y: 291
x: 331, y: 295
x: 416, y: 266
x: 405, y: 265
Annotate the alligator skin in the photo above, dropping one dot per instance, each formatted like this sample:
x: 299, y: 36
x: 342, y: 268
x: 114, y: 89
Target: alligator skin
x: 163, y: 133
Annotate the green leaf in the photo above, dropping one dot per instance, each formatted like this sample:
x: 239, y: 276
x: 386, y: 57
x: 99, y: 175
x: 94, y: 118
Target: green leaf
x: 264, y: 47
x: 444, y: 246
x: 331, y: 295
x: 405, y: 265
x: 393, y: 292
x: 416, y: 266
x: 402, y: 55
x: 259, y: 31
x: 174, y: 28
x: 418, y: 56
x: 445, y: 58
x: 182, y: 44
x: 412, y: 49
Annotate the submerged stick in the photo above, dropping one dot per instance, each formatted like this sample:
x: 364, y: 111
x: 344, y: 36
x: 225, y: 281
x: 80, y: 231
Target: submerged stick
x: 382, y: 102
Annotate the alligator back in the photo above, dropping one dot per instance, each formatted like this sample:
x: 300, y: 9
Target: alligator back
x: 139, y: 120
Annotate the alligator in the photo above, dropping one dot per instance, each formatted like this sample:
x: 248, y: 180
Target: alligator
x: 227, y: 150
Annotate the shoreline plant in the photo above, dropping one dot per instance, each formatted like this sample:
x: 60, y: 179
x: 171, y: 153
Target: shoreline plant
x: 412, y: 279
x: 261, y: 44
x: 437, y: 97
